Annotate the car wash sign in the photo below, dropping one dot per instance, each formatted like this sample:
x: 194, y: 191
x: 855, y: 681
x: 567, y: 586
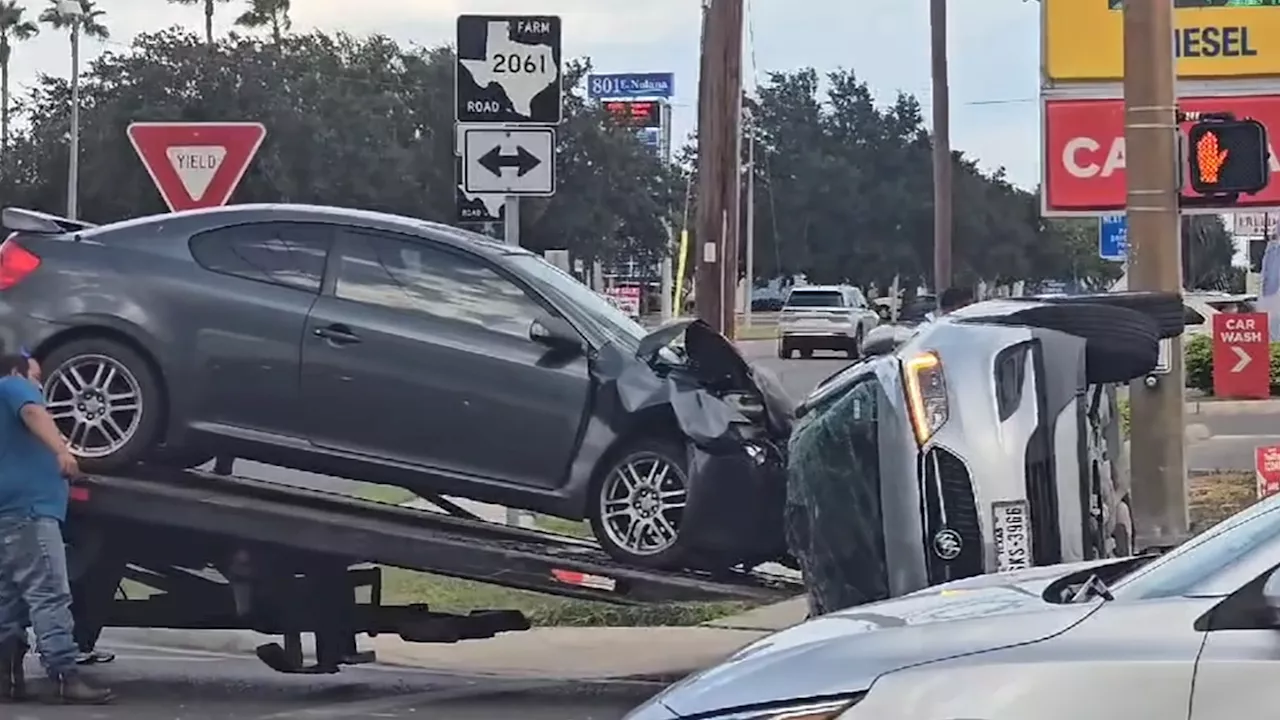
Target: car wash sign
x: 1241, y: 356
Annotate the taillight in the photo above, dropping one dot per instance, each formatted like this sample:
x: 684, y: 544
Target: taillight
x: 16, y: 262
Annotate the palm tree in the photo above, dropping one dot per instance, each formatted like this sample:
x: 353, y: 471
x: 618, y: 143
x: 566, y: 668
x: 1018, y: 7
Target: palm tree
x: 267, y: 13
x: 13, y: 28
x: 208, y: 14
x: 78, y: 17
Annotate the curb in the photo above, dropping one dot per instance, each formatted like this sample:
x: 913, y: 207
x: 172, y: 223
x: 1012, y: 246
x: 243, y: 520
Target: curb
x: 1233, y: 407
x: 245, y: 643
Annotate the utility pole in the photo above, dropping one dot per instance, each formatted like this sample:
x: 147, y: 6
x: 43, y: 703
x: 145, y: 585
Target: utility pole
x: 719, y: 182
x: 941, y: 147
x: 1155, y: 263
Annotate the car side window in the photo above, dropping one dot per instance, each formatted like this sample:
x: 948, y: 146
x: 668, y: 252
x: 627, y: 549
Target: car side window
x: 1192, y: 316
x: 281, y: 253
x: 403, y: 274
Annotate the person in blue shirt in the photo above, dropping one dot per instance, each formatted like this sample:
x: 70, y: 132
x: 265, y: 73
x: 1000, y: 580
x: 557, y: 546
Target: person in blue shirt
x: 35, y: 468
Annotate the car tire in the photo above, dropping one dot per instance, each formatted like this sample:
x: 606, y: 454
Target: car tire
x: 615, y: 536
x: 784, y: 351
x: 855, y: 346
x: 806, y: 353
x: 133, y: 373
x: 1166, y: 309
x: 1120, y: 344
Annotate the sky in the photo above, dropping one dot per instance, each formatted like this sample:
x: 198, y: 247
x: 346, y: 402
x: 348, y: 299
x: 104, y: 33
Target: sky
x: 994, y: 49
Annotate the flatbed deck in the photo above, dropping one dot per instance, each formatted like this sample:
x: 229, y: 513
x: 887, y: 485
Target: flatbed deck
x: 362, y: 531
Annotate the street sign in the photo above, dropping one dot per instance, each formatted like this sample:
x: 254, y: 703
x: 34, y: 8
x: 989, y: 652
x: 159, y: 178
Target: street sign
x: 1084, y: 153
x: 1083, y: 39
x: 1228, y: 156
x: 631, y: 85
x: 478, y: 208
x: 508, y: 70
x: 1113, y: 238
x: 1254, y: 225
x: 1266, y: 464
x: 626, y: 298
x: 196, y: 165
x: 509, y: 160
x: 1241, y: 356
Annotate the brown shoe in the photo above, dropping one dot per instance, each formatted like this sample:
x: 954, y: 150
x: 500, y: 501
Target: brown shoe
x: 73, y: 690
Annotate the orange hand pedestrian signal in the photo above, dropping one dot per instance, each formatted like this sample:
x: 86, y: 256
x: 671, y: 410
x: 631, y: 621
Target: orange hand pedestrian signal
x: 1228, y: 157
x: 1210, y: 157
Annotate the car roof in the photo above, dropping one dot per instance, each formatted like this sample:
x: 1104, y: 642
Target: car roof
x: 819, y: 288
x: 294, y: 212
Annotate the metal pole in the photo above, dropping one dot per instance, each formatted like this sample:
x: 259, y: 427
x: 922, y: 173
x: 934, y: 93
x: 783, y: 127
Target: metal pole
x: 511, y: 235
x: 751, y: 227
x: 941, y: 148
x: 1159, y: 501
x: 73, y: 162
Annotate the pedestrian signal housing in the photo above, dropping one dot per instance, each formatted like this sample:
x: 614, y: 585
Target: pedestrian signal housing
x: 1228, y: 157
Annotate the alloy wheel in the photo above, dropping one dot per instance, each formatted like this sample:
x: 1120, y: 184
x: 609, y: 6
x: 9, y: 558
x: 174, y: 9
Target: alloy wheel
x: 96, y: 402
x: 642, y: 501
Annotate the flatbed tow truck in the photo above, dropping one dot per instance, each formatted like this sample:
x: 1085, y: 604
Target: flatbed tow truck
x: 228, y: 552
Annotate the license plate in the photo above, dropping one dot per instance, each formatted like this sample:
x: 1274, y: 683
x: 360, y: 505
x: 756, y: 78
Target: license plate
x: 1011, y: 535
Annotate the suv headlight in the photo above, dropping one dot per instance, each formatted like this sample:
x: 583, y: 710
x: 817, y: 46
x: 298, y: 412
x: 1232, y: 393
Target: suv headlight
x: 926, y: 389
x: 821, y: 710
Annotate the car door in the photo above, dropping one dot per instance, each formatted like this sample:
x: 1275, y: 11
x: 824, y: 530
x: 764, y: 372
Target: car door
x: 421, y: 353
x: 248, y: 311
x: 864, y: 315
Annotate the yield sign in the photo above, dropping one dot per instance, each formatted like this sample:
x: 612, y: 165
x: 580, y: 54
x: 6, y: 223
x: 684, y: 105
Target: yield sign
x: 196, y: 165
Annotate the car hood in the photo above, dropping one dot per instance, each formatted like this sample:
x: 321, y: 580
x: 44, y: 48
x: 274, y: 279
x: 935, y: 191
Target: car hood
x: 702, y: 344
x: 844, y: 652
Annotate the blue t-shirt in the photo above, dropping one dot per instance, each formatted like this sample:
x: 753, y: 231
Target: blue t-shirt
x: 30, y: 481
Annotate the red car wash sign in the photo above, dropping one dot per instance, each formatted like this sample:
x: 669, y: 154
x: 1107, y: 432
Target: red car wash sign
x: 196, y: 165
x: 1085, y: 156
x: 1266, y: 462
x: 1241, y: 355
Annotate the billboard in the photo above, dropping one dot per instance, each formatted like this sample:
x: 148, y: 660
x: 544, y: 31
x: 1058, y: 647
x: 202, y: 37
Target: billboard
x: 1084, y: 153
x: 1212, y: 39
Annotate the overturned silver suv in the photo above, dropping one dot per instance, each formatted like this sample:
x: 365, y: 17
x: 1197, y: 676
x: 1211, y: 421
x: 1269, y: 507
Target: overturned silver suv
x: 985, y: 441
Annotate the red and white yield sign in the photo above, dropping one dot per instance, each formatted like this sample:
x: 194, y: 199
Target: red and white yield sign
x: 196, y: 165
x: 1241, y: 355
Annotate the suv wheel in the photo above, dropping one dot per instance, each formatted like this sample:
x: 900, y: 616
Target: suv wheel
x: 105, y: 398
x: 638, y: 506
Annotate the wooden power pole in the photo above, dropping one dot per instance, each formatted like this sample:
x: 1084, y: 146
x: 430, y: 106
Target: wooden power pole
x: 719, y: 143
x: 942, y: 183
x: 1155, y: 263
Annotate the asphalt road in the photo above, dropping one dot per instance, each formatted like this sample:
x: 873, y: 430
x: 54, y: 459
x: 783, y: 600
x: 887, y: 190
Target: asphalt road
x: 159, y: 684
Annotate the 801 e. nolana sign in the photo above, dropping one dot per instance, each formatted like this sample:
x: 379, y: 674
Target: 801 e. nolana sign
x: 1084, y: 156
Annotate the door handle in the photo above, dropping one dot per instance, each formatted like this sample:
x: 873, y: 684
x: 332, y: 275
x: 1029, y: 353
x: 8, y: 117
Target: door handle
x: 337, y: 333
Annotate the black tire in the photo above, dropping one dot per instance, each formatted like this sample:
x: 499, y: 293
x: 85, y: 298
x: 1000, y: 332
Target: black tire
x: 1120, y: 344
x: 674, y: 556
x: 806, y: 353
x: 1166, y: 309
x: 784, y: 351
x: 144, y: 433
x: 855, y: 347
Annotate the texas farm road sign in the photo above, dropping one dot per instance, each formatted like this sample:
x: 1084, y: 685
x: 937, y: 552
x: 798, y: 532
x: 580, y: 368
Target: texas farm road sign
x: 508, y: 70
x: 516, y: 160
x: 196, y: 165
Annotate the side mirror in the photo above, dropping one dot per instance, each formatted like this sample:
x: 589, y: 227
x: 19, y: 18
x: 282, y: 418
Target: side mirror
x: 884, y: 312
x: 555, y: 333
x: 1271, y: 595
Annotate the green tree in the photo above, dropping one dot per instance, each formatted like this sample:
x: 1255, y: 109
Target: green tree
x: 1207, y: 250
x: 14, y: 28
x: 210, y: 6
x: 273, y: 14
x: 87, y: 21
x: 357, y: 122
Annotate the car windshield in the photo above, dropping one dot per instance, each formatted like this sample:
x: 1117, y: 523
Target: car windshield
x: 815, y: 298
x: 1205, y: 555
x: 605, y: 317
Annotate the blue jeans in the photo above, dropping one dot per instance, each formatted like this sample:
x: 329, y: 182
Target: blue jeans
x: 34, y: 586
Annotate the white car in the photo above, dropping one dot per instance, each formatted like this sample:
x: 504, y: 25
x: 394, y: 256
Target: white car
x: 1202, y: 306
x: 824, y: 317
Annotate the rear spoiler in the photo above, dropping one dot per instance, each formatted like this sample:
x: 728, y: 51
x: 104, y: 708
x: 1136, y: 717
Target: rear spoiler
x: 32, y: 221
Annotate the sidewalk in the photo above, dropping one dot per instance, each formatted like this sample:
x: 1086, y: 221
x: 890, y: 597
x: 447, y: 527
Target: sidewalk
x: 652, y: 653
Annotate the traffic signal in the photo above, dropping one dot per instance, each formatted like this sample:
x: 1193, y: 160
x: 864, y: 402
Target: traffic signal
x: 1228, y: 156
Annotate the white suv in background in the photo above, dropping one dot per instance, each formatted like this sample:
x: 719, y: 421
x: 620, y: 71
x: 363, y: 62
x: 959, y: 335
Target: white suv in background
x: 824, y: 317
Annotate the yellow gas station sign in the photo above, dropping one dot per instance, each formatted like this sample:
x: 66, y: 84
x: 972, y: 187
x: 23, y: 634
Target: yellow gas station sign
x: 1083, y: 39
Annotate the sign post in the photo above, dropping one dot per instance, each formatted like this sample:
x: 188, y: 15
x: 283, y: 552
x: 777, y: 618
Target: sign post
x: 196, y: 165
x: 1113, y: 238
x: 508, y: 100
x: 1266, y: 463
x: 1241, y: 356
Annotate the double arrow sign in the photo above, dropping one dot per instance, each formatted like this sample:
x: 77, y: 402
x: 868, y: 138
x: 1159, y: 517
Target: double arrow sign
x: 522, y: 160
x: 508, y: 160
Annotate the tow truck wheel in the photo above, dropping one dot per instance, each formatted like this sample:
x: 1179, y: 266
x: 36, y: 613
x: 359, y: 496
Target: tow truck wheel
x: 638, y: 505
x: 1120, y: 344
x: 105, y: 399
